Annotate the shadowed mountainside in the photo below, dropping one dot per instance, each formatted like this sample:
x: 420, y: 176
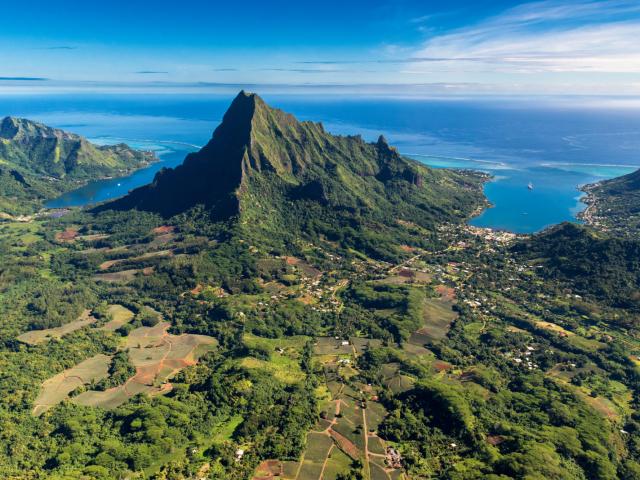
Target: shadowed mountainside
x: 272, y: 172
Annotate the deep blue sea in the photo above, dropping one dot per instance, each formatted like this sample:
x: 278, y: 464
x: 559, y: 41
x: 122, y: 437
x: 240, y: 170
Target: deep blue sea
x: 554, y: 144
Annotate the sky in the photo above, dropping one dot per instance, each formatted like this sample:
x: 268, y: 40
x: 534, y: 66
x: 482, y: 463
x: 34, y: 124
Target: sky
x: 582, y: 47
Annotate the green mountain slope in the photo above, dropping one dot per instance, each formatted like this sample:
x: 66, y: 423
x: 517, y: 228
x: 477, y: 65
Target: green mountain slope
x: 591, y: 264
x: 615, y: 204
x: 279, y: 177
x: 38, y: 162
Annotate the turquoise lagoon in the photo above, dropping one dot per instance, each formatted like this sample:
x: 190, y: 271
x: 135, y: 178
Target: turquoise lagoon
x: 556, y: 144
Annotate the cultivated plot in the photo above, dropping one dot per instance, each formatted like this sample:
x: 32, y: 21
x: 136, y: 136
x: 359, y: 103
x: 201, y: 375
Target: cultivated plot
x: 157, y: 356
x: 35, y: 337
x: 57, y: 388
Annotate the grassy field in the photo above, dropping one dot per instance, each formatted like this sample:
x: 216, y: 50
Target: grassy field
x: 331, y: 346
x: 123, y: 276
x: 22, y: 234
x: 118, y: 316
x: 35, y: 337
x: 283, y: 356
x: 57, y: 388
x: 406, y: 276
x: 155, y: 354
x: 146, y: 256
x: 553, y: 328
x: 438, y: 316
x: 338, y: 462
x: 394, y: 380
x: 284, y: 369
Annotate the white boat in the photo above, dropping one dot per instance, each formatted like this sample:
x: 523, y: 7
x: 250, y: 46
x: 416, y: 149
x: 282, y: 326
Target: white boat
x: 530, y: 186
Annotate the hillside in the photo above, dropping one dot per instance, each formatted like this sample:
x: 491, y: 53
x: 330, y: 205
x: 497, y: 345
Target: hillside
x: 614, y: 204
x: 279, y: 177
x: 38, y: 162
x: 589, y: 263
x: 295, y: 305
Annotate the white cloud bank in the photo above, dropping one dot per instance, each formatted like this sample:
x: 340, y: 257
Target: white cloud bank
x: 548, y: 36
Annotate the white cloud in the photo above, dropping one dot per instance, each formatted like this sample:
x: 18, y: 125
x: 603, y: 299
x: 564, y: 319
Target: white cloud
x: 547, y: 36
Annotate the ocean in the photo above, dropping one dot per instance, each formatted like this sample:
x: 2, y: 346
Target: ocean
x: 554, y: 144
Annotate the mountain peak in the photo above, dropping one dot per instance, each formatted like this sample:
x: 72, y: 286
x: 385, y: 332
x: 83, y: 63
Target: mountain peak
x: 11, y: 127
x: 24, y: 130
x: 243, y: 106
x: 261, y: 158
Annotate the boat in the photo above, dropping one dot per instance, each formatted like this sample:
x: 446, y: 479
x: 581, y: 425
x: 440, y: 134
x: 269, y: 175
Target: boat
x: 530, y: 186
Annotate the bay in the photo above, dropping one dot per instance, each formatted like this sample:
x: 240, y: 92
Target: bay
x: 556, y: 144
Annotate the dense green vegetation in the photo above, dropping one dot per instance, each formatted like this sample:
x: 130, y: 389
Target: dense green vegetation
x: 589, y: 263
x: 282, y: 179
x: 39, y: 162
x: 614, y: 204
x: 341, y: 328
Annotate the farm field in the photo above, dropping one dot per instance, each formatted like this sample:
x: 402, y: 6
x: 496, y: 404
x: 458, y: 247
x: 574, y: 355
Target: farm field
x: 123, y: 276
x: 58, y: 387
x: 156, y: 355
x: 35, y: 337
x: 119, y: 316
x: 438, y: 316
x: 347, y: 430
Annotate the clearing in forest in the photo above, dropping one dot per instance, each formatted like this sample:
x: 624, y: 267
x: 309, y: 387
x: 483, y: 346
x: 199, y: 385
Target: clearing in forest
x: 123, y: 276
x: 438, y: 316
x: 68, y: 236
x: 119, y: 316
x: 146, y: 256
x: 35, y: 337
x: 157, y: 356
x: 58, y: 387
x: 406, y: 276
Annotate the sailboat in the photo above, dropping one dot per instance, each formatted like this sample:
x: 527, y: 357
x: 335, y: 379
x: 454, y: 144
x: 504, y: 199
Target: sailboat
x: 530, y: 186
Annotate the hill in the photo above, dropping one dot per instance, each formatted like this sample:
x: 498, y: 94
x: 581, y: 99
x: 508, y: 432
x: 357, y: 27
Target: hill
x: 589, y: 263
x: 291, y: 304
x: 38, y: 162
x: 278, y: 177
x: 614, y: 204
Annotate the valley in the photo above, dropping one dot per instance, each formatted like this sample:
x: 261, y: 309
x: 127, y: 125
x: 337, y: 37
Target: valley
x: 320, y: 313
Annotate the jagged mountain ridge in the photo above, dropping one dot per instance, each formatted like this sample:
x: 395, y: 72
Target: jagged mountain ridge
x: 44, y: 150
x: 262, y: 165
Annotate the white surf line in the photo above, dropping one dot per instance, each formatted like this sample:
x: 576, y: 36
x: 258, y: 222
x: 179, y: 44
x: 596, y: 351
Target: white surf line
x: 575, y: 164
x: 464, y: 159
x: 148, y: 140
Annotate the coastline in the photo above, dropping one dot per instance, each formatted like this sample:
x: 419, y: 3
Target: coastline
x: 589, y: 214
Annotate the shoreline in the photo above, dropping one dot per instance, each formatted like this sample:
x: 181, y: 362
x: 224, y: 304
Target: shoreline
x: 589, y: 213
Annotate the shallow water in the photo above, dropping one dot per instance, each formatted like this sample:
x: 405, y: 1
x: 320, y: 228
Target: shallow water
x: 554, y: 144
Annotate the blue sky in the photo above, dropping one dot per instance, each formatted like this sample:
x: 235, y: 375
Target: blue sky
x: 400, y: 46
